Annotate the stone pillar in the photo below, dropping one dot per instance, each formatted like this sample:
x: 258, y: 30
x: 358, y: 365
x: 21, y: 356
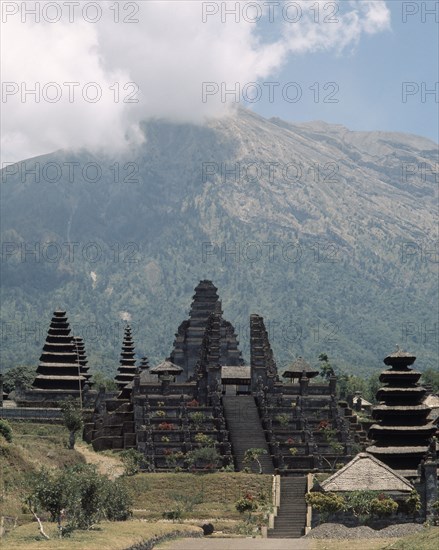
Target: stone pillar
x: 304, y: 383
x: 333, y: 385
x: 165, y: 383
x: 431, y: 488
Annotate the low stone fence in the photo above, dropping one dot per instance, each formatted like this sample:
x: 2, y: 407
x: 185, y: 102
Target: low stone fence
x: 151, y: 543
x: 31, y: 415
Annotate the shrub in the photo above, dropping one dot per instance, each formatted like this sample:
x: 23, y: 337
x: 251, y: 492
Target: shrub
x: 197, y: 418
x: 282, y: 419
x: 132, y: 461
x: 172, y: 456
x: 435, y: 519
x: 228, y: 468
x: 328, y: 503
x: 412, y: 504
x: 360, y: 503
x: 203, y: 454
x: 204, y: 440
x: 172, y: 514
x: 6, y: 430
x: 293, y: 450
x: 248, y: 503
x: 187, y: 502
x: 160, y: 414
x: 383, y: 507
x: 117, y: 501
x: 337, y: 448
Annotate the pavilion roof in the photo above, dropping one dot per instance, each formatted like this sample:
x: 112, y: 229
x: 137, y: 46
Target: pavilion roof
x: 296, y: 369
x: 235, y: 372
x: 166, y: 367
x: 365, y: 472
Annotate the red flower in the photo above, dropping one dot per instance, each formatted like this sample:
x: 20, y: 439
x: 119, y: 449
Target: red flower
x: 166, y: 426
x: 290, y: 441
x: 193, y: 403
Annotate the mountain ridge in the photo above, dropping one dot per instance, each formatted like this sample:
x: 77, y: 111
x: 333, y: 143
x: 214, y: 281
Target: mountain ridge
x: 333, y: 241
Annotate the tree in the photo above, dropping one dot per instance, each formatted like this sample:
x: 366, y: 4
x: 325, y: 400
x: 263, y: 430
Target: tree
x: 72, y: 419
x: 348, y: 384
x: 326, y: 370
x: 18, y: 376
x: 101, y: 380
x: 80, y: 494
x: 252, y: 455
x: 374, y: 385
x: 431, y: 377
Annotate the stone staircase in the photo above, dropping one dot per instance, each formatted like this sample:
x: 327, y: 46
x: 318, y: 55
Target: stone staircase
x: 246, y: 432
x: 291, y: 517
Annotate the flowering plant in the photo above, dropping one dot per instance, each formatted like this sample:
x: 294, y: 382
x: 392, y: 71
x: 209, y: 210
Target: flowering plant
x: 166, y: 426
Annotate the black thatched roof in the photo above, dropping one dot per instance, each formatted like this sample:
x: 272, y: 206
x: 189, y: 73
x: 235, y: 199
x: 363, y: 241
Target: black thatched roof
x: 298, y: 367
x: 400, y: 356
x: 237, y: 373
x: 166, y: 367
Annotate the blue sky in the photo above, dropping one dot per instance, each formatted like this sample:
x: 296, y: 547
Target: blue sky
x: 370, y: 79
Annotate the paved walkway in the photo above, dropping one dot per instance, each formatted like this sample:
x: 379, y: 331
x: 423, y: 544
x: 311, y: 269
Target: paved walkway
x: 236, y: 544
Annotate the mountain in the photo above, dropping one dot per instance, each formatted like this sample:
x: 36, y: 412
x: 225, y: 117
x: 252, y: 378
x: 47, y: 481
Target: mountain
x: 330, y: 234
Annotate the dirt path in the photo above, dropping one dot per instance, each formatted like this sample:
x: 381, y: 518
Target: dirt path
x: 107, y: 465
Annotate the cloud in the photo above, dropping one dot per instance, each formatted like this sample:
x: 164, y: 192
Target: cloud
x: 166, y: 55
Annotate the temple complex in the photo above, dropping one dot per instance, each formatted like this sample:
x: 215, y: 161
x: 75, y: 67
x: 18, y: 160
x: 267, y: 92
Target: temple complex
x: 202, y: 408
x: 402, y: 432
x: 300, y: 424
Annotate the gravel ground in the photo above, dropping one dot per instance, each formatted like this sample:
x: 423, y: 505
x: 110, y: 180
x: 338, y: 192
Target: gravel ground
x: 337, y: 531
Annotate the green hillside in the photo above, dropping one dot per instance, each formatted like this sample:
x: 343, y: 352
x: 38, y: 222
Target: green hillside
x: 339, y: 256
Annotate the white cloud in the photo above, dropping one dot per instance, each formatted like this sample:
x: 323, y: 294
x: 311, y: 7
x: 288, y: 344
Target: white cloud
x: 168, y: 54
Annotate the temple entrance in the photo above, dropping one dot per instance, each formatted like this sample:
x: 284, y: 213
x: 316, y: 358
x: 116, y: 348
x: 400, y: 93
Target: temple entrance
x: 234, y: 389
x: 235, y: 380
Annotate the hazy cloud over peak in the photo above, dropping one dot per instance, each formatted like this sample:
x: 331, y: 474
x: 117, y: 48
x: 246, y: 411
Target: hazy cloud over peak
x: 151, y: 68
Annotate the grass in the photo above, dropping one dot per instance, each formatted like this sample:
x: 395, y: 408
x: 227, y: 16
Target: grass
x: 154, y: 493
x: 350, y: 544
x: 108, y: 536
x: 33, y: 446
x: 425, y: 540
